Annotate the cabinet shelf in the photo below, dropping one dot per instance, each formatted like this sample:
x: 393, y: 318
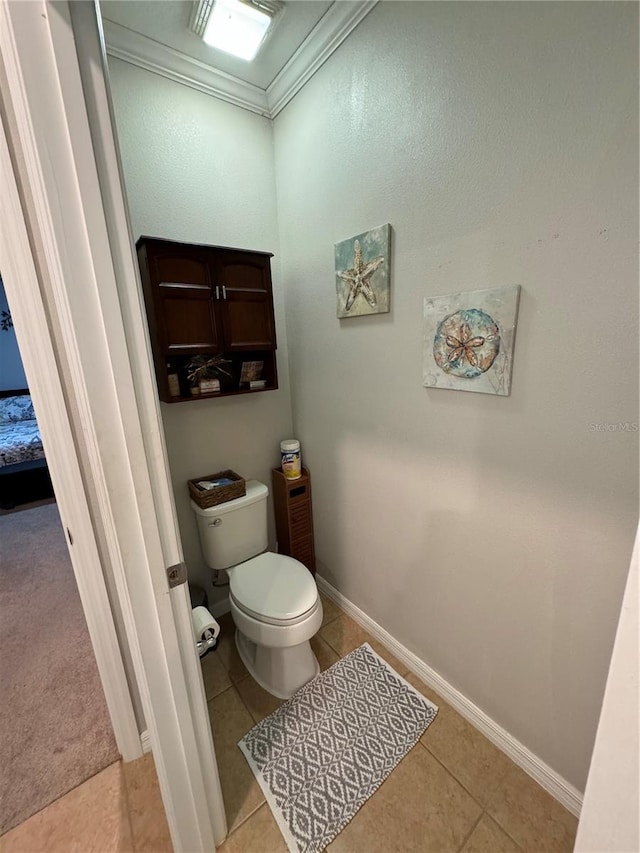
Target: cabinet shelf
x: 208, y: 396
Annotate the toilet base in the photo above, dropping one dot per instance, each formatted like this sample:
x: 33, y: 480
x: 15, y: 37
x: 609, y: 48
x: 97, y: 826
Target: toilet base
x: 280, y: 671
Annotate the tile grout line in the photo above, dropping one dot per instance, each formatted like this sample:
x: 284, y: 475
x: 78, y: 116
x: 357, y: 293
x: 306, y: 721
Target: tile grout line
x: 485, y: 809
x: 471, y: 831
x: 232, y: 686
x: 500, y: 826
x: 450, y: 773
x: 127, y: 802
x: 333, y: 649
x: 254, y: 722
x: 237, y: 826
x: 329, y: 621
x: 497, y: 822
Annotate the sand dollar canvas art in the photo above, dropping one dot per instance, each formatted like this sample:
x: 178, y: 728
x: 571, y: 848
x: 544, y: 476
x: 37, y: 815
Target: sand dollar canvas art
x: 363, y: 273
x: 468, y: 340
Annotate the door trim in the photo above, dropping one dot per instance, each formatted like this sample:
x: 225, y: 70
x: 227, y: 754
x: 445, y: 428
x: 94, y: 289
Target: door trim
x: 38, y: 357
x: 78, y: 230
x: 93, y: 67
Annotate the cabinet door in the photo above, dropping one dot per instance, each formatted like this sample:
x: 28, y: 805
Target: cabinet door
x: 246, y: 305
x: 183, y: 290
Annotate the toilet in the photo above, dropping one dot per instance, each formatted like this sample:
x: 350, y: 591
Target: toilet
x: 274, y: 599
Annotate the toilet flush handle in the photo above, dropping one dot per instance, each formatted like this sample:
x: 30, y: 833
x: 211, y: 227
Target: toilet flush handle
x: 215, y: 523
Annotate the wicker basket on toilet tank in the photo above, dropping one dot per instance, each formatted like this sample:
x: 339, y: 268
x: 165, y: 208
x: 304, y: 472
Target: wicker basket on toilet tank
x: 206, y: 498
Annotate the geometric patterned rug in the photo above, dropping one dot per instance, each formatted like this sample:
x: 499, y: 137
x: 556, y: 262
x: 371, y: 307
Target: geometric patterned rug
x: 328, y: 748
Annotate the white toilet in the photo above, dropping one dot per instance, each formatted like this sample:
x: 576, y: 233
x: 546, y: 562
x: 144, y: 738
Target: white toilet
x: 274, y: 599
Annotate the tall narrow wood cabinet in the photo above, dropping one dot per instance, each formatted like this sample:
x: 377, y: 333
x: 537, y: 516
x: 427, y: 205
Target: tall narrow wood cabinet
x: 207, y: 301
x: 294, y: 518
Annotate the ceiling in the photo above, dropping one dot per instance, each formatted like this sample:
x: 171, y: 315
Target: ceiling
x: 166, y: 22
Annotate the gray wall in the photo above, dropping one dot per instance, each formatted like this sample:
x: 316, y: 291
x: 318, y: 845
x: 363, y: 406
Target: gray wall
x: 11, y: 370
x: 202, y: 171
x: 490, y: 535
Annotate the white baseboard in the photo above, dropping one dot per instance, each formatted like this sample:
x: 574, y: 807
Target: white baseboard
x: 547, y: 778
x: 145, y: 740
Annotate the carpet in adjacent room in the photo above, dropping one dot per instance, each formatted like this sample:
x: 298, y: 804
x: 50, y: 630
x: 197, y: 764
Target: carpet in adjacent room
x: 55, y: 730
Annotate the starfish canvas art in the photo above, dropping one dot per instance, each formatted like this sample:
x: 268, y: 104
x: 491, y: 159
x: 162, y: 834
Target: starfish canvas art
x: 363, y: 273
x: 469, y: 339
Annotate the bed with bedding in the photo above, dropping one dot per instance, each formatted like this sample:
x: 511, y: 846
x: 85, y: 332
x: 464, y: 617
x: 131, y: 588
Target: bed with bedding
x: 24, y: 475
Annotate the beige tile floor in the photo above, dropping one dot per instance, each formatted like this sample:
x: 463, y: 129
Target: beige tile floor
x: 454, y: 791
x: 118, y: 811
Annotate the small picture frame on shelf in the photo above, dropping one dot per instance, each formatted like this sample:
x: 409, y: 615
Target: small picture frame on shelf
x: 251, y: 372
x: 173, y: 381
x: 209, y: 386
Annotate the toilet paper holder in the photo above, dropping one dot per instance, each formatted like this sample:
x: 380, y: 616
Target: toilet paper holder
x: 206, y: 643
x: 205, y: 629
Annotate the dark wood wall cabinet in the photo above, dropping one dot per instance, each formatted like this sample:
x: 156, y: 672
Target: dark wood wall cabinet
x: 294, y: 519
x: 208, y: 302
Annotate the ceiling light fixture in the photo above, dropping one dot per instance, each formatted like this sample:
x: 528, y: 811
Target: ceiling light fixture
x: 238, y: 27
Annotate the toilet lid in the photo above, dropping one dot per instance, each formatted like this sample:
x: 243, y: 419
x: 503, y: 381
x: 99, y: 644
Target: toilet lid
x: 273, y: 586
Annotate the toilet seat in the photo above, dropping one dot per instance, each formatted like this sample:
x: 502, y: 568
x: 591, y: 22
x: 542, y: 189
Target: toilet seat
x: 282, y: 635
x: 273, y: 588
x: 270, y: 620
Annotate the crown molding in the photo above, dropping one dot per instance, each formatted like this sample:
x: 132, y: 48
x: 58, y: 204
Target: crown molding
x: 136, y: 49
x: 331, y: 30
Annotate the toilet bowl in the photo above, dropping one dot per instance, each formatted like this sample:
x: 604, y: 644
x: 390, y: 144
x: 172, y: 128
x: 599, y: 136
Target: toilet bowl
x: 274, y: 600
x: 276, y: 609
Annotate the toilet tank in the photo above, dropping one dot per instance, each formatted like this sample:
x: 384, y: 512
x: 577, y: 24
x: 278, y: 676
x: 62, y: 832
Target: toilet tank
x: 236, y: 530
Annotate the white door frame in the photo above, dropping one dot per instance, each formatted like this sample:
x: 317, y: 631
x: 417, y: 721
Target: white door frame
x: 36, y: 348
x: 77, y: 239
x: 610, y: 816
